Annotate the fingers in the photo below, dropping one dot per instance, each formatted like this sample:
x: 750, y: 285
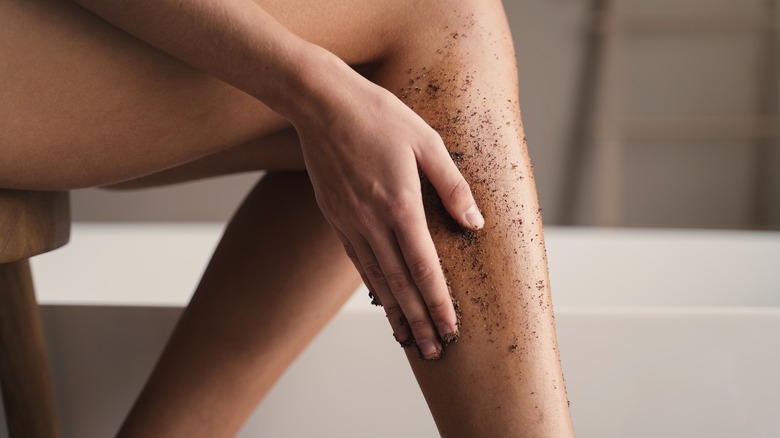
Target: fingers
x: 401, y: 268
x: 424, y: 268
x: 352, y: 254
x: 409, y: 297
x: 363, y: 258
x: 454, y: 191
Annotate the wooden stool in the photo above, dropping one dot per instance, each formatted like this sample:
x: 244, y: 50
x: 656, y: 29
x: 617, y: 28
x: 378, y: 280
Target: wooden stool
x: 31, y: 223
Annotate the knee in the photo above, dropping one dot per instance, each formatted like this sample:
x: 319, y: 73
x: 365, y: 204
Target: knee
x: 459, y: 17
x: 456, y: 29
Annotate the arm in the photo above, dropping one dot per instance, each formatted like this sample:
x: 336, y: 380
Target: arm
x: 234, y: 40
x: 361, y: 145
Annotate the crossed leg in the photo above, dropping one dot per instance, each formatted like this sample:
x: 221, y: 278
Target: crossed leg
x: 451, y: 61
x: 277, y: 277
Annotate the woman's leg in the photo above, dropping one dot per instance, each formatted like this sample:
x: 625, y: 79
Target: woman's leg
x: 502, y: 378
x: 277, y: 151
x: 278, y: 275
x: 115, y: 109
x: 83, y: 103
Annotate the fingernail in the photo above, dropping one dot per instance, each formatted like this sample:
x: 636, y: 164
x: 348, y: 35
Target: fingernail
x: 445, y: 331
x: 402, y: 334
x: 449, y: 338
x: 404, y: 343
x: 474, y: 217
x: 428, y: 349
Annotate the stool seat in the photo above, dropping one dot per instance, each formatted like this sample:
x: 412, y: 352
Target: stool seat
x: 31, y: 223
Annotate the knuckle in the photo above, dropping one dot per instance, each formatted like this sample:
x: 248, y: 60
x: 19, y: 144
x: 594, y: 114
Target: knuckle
x: 398, y: 282
x: 363, y: 217
x: 419, y: 325
x: 350, y: 250
x: 373, y: 272
x: 460, y: 191
x: 434, y: 138
x: 439, y: 309
x: 400, y: 208
x: 393, y: 312
x: 421, y: 272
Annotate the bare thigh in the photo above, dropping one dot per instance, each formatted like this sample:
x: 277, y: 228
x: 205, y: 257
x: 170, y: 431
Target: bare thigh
x: 84, y: 104
x: 276, y: 151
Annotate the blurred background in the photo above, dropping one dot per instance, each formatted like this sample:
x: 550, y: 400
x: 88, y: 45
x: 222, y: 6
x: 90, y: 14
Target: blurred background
x: 638, y: 113
x: 651, y: 114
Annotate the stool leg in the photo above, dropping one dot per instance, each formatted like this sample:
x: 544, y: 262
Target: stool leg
x: 24, y: 373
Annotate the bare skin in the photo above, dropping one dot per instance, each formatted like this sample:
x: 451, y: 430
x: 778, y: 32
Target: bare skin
x: 139, y: 115
x: 362, y: 146
x: 254, y: 311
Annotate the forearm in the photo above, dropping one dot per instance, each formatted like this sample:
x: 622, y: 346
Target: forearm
x: 233, y: 40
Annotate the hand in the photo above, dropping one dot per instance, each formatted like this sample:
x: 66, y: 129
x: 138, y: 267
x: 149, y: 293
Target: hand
x: 362, y: 157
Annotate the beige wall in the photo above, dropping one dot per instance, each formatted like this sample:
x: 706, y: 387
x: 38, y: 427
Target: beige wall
x: 700, y: 182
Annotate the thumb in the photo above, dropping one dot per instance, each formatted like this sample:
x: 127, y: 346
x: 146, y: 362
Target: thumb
x: 454, y: 191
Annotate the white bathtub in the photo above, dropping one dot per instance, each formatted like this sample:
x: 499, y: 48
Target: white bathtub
x: 663, y: 334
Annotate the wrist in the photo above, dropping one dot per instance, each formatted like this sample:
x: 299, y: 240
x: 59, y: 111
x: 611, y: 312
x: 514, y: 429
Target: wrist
x: 321, y: 86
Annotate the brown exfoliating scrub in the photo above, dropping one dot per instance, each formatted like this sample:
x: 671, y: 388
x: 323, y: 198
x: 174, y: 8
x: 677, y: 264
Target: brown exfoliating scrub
x: 374, y: 298
x: 446, y: 340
